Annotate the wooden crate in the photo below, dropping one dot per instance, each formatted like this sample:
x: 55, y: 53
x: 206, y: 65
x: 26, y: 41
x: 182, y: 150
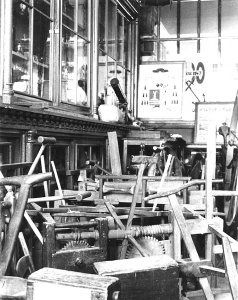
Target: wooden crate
x: 49, y: 283
x: 145, y: 278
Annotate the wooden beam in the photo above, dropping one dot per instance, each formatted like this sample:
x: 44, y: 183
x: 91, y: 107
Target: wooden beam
x: 230, y: 268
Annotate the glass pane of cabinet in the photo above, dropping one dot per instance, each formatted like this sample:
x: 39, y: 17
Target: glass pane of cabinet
x: 21, y: 45
x: 67, y: 74
x: 41, y: 56
x: 102, y: 24
x: 31, y: 48
x: 83, y: 18
x: 120, y: 38
x: 68, y: 13
x: 82, y: 74
x: 102, y: 76
x: 112, y: 16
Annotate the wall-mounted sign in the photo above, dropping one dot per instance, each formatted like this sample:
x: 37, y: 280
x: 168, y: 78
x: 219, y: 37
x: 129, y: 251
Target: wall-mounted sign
x: 160, y: 91
x: 205, y: 112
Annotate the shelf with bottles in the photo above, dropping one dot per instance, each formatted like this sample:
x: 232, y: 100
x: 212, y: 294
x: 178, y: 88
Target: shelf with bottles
x: 37, y: 62
x: 20, y: 55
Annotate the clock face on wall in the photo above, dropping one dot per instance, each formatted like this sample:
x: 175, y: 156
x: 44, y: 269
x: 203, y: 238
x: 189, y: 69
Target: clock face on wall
x: 160, y: 90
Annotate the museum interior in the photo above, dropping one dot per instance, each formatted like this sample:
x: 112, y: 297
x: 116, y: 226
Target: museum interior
x: 118, y: 149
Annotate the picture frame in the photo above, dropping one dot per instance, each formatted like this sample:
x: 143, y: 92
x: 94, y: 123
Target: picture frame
x: 160, y: 90
x: 205, y: 112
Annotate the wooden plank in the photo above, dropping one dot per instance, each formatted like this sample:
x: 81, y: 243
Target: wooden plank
x: 209, y: 270
x: 222, y: 234
x: 230, y: 268
x: 49, y: 243
x: 114, y: 153
x: 189, y: 244
x: 210, y: 175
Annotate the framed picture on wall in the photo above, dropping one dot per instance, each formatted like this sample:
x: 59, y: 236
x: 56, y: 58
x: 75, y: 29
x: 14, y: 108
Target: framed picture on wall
x: 205, y: 112
x: 160, y: 90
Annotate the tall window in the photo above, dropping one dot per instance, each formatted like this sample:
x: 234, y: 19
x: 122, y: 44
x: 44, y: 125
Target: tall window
x: 204, y: 34
x: 32, y: 25
x: 75, y: 48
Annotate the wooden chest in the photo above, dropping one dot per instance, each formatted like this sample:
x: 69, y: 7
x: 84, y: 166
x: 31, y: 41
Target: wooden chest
x: 49, y: 284
x: 144, y: 278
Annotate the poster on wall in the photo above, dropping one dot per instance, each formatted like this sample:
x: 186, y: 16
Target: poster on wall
x: 160, y: 90
x: 218, y: 112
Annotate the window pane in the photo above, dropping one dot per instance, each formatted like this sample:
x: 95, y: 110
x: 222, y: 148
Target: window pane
x: 188, y: 19
x: 168, y: 51
x: 21, y: 40
x: 68, y: 13
x: 102, y: 24
x: 83, y: 18
x: 209, y: 18
x: 188, y: 49
x: 168, y: 21
x: 229, y: 18
x: 121, y: 78
x: 43, y: 6
x: 120, y: 38
x: 41, y: 55
x: 82, y: 92
x: 209, y: 48
x: 112, y: 29
x: 68, y: 71
x: 111, y: 73
x: 229, y: 50
x: 127, y: 43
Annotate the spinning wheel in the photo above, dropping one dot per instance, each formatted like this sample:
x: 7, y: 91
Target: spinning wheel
x: 129, y: 237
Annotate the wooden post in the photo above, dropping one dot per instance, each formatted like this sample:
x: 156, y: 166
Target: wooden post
x: 210, y: 174
x: 114, y: 153
x: 49, y: 243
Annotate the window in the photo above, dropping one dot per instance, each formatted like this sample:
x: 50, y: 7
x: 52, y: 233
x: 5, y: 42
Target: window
x: 75, y: 49
x: 204, y: 34
x: 31, y: 47
x: 114, y: 51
